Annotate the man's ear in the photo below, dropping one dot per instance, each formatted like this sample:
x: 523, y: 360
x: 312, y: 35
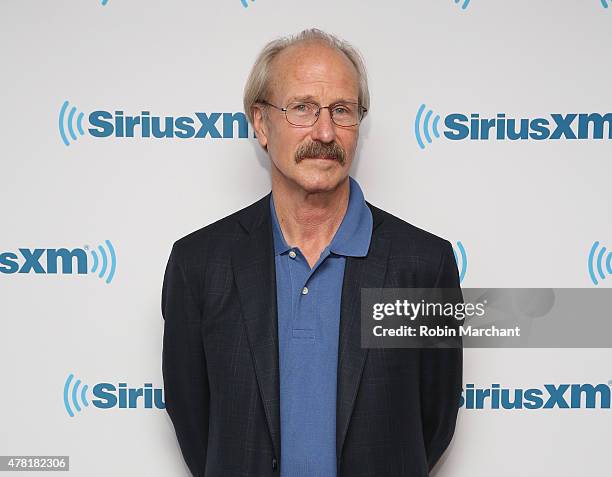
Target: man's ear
x: 259, y: 123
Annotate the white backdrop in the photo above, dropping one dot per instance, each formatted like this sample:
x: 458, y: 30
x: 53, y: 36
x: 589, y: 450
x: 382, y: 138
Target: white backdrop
x: 527, y: 212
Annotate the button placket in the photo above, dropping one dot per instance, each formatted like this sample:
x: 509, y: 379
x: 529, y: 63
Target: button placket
x: 299, y: 270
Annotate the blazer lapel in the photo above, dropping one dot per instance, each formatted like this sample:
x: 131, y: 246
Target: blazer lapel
x: 364, y: 272
x: 254, y: 272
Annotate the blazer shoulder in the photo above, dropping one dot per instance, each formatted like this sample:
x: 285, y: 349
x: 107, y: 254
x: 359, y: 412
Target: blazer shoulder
x: 407, y: 237
x: 222, y: 231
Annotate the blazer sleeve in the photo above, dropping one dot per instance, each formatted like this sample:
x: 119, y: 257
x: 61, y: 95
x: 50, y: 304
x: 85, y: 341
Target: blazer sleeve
x: 184, y: 372
x: 441, y: 377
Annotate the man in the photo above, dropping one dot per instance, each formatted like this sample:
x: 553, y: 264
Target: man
x: 263, y: 370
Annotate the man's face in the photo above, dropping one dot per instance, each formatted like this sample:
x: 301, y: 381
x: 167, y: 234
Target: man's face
x: 316, y: 158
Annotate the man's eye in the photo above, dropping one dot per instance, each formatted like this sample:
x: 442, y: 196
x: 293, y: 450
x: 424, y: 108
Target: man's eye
x: 343, y: 109
x: 301, y: 107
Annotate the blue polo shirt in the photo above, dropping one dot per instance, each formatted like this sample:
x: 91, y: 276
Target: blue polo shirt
x: 308, y: 301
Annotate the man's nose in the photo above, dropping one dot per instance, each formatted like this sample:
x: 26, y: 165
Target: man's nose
x: 324, y: 129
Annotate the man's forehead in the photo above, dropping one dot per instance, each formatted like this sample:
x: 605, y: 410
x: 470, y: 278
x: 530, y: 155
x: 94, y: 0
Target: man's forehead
x: 302, y: 72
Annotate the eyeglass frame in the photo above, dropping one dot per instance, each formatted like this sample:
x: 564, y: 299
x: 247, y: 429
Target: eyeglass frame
x: 318, y: 113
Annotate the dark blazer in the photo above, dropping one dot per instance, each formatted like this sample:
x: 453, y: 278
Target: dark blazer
x: 396, y: 408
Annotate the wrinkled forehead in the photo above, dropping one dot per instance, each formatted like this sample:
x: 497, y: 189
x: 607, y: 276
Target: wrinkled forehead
x: 313, y: 70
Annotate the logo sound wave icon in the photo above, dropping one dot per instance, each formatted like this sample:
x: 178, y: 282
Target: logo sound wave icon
x: 596, y: 263
x: 104, y: 2
x: 461, y: 260
x: 245, y: 3
x: 424, y: 126
x: 604, y: 3
x: 68, y: 122
x: 73, y: 396
x: 467, y: 2
x: 107, y: 262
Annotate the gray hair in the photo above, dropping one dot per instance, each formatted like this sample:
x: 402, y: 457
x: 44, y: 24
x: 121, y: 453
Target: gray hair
x: 258, y: 82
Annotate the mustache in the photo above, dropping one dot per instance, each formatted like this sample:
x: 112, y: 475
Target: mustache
x: 331, y: 150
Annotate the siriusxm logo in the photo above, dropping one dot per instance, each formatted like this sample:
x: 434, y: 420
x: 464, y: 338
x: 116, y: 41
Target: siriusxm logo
x: 62, y: 260
x: 550, y: 396
x: 597, y: 270
x: 459, y: 126
x: 104, y: 124
x: 464, y: 3
x: 461, y: 259
x: 109, y: 395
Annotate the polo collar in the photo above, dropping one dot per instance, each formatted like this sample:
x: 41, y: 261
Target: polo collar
x: 352, y: 239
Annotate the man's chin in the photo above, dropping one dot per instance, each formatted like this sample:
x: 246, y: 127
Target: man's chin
x: 313, y: 184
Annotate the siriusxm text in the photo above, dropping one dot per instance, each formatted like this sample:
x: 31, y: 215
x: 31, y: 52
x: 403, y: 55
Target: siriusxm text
x: 56, y: 260
x: 201, y: 125
x: 557, y: 126
x: 108, y: 395
x: 550, y: 396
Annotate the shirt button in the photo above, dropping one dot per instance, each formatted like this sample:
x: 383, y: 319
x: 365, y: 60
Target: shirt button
x: 305, y: 291
x: 292, y: 254
x: 274, y: 464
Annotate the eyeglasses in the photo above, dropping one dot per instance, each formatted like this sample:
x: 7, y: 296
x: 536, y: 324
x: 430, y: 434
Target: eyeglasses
x: 306, y: 114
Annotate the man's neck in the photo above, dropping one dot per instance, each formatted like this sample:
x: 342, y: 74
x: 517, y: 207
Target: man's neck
x: 309, y: 221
